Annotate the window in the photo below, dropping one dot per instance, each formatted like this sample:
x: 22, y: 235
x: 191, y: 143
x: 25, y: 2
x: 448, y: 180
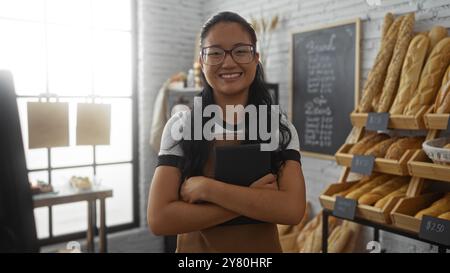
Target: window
x: 76, y: 51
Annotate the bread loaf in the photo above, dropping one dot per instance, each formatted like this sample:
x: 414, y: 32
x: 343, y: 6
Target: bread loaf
x: 444, y: 108
x: 390, y: 86
x: 380, y: 149
x: 284, y: 229
x: 436, y: 34
x: 401, y: 192
x: 313, y: 240
x: 399, y: 147
x: 412, y: 66
x: 437, y: 208
x: 447, y: 146
x: 445, y: 216
x: 356, y: 194
x: 358, y: 184
x: 375, y: 79
x: 379, y: 192
x: 431, y: 77
x: 387, y: 22
x: 441, y: 104
x: 307, y: 231
x: 375, y: 101
x: 340, y: 239
x: 288, y: 242
x: 366, y: 143
x: 354, y: 239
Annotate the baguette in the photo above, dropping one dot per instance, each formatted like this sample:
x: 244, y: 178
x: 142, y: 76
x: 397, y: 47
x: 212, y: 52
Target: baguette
x: 390, y: 86
x: 441, y: 104
x: 431, y: 77
x: 351, y: 244
x: 376, y: 101
x: 305, y: 234
x: 401, y: 192
x: 412, y: 66
x: 357, y: 185
x: 436, y: 34
x: 375, y: 79
x: 284, y: 229
x: 341, y: 239
x: 380, y: 149
x: 333, y: 235
x: 387, y: 22
x: 444, y: 108
x: 379, y: 192
x: 437, y: 208
x: 356, y: 194
x: 345, y: 192
x: 313, y: 241
x: 397, y: 149
x: 366, y: 143
x: 445, y: 216
x: 288, y: 243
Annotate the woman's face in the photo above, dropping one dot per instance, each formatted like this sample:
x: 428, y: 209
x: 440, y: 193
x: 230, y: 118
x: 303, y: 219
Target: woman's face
x: 229, y: 78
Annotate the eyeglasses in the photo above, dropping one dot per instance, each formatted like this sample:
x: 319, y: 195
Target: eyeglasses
x: 214, y: 55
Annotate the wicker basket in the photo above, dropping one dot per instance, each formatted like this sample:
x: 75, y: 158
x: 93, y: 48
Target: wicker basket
x: 433, y: 149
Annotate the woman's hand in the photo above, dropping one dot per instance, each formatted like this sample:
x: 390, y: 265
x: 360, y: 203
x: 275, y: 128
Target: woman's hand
x: 193, y: 190
x: 268, y: 181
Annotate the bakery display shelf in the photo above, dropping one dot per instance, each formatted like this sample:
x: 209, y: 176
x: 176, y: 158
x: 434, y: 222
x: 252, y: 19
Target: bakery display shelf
x: 395, y: 121
x: 421, y: 166
x: 403, y: 214
x: 376, y: 231
x: 382, y: 165
x: 435, y: 121
x: 379, y: 215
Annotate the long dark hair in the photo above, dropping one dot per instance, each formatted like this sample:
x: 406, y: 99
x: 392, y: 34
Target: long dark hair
x: 196, y: 152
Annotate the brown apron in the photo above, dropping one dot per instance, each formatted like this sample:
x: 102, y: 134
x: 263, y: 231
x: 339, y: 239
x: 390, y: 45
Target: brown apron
x: 262, y: 238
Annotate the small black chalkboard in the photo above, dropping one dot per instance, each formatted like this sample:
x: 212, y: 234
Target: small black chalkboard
x: 344, y: 208
x: 435, y: 229
x: 363, y: 164
x: 377, y: 121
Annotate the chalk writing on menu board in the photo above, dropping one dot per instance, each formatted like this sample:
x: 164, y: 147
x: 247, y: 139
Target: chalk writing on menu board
x: 319, y: 116
x: 324, y: 86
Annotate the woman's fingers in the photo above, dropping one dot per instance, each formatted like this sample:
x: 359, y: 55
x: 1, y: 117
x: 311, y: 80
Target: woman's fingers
x: 263, y: 181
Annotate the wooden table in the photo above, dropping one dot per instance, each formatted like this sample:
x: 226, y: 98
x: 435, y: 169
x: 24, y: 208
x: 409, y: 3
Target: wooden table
x: 70, y: 195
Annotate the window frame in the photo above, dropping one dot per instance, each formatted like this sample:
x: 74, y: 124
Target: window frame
x: 51, y: 239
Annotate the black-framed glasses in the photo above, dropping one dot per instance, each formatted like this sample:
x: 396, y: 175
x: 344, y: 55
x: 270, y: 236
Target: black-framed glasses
x: 214, y: 55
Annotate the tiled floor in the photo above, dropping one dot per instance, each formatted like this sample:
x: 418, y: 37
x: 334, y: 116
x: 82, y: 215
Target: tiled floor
x: 133, y: 241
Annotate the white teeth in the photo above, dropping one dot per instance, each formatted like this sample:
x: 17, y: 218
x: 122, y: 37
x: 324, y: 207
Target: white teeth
x: 230, y: 76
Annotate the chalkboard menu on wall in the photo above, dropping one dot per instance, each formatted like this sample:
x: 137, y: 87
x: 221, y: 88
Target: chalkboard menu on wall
x: 325, y: 82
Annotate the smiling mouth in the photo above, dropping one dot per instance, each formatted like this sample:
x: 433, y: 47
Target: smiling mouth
x: 230, y: 75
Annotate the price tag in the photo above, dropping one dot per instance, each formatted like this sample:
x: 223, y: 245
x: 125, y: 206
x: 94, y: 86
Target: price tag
x: 363, y: 164
x: 344, y: 208
x: 377, y: 121
x: 435, y: 229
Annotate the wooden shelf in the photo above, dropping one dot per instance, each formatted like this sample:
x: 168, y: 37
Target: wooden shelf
x: 371, y: 213
x: 436, y: 121
x: 403, y: 214
x: 421, y: 166
x: 382, y: 165
x: 395, y: 121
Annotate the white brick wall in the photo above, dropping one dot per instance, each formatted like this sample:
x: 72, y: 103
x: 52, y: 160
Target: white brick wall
x: 178, y: 21
x: 166, y: 37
